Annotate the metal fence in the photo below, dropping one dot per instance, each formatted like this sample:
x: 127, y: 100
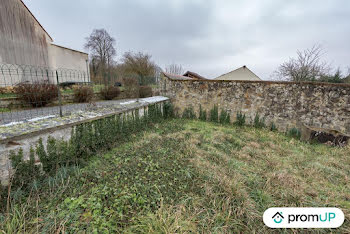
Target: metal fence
x: 31, y: 92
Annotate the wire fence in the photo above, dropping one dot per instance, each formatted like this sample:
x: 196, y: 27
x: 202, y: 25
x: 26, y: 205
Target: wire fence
x: 31, y: 92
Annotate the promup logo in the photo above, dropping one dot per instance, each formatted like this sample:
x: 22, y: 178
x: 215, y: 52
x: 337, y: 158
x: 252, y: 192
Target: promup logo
x: 278, y: 217
x: 303, y: 217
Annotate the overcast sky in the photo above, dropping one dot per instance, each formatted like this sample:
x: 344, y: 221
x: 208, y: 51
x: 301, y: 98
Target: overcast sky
x: 210, y: 37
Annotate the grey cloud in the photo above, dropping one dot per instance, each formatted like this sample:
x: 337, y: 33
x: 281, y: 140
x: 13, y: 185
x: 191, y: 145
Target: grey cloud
x: 209, y: 37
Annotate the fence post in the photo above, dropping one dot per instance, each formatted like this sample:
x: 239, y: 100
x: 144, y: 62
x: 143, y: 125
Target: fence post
x: 139, y: 79
x: 59, y: 94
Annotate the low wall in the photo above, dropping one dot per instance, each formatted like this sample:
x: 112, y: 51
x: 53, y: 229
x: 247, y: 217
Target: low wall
x: 287, y: 104
x: 26, y: 135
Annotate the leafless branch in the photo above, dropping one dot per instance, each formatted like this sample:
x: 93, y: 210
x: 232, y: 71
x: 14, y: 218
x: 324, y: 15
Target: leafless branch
x: 308, y: 66
x: 175, y: 69
x: 139, y: 64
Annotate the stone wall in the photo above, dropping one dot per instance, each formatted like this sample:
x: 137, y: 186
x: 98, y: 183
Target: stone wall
x: 287, y: 104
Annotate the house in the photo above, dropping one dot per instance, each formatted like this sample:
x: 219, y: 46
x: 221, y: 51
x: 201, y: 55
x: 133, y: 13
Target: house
x: 165, y: 79
x: 176, y: 77
x: 242, y: 73
x: 194, y: 75
x: 24, y: 41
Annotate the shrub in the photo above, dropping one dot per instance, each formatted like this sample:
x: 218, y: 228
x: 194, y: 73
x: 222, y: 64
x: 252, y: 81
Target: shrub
x: 188, y: 113
x: 37, y: 94
x: 224, y: 117
x: 7, y: 90
x: 259, y: 122
x: 83, y: 93
x: 214, y: 114
x: 110, y: 92
x: 202, y: 114
x: 273, y: 127
x: 26, y: 171
x: 87, y: 139
x: 168, y: 110
x: 294, y: 132
x: 145, y: 91
x: 131, y: 86
x: 3, y: 90
x: 240, y: 119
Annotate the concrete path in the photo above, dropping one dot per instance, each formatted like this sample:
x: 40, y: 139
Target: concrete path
x: 24, y: 115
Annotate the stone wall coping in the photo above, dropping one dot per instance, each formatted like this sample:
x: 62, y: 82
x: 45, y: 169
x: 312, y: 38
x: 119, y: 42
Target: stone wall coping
x: 267, y: 82
x: 127, y: 107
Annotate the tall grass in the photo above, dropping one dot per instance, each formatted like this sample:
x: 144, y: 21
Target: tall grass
x: 178, y: 176
x: 59, y: 157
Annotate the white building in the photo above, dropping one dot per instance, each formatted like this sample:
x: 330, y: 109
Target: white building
x: 242, y: 73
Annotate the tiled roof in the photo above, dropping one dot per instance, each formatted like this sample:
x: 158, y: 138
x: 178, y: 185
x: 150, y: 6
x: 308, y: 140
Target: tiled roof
x: 176, y: 77
x: 194, y: 75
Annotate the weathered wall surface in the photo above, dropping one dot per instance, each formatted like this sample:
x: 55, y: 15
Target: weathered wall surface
x: 26, y: 144
x: 286, y: 104
x: 61, y: 57
x: 22, y: 40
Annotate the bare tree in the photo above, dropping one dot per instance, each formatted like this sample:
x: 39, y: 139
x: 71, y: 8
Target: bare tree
x: 308, y: 66
x: 175, y: 69
x: 102, y: 49
x: 139, y: 64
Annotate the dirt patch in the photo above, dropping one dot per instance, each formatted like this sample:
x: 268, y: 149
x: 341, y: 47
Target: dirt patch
x: 329, y: 139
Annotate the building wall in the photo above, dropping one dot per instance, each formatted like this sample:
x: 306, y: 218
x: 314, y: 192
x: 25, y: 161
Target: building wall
x: 242, y: 73
x: 22, y: 40
x: 287, y: 104
x: 61, y: 57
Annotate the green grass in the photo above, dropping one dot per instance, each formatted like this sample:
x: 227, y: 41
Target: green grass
x: 4, y: 109
x: 96, y: 88
x: 7, y: 95
x: 188, y: 176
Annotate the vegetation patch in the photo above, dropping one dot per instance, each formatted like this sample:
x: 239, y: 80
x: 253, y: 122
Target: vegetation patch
x: 188, y: 113
x: 145, y: 91
x: 182, y: 176
x: 202, y: 114
x: 240, y: 119
x: 83, y: 93
x: 109, y: 92
x: 37, y: 94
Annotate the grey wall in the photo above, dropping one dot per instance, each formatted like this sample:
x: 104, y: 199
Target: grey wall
x: 61, y: 57
x: 22, y: 40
